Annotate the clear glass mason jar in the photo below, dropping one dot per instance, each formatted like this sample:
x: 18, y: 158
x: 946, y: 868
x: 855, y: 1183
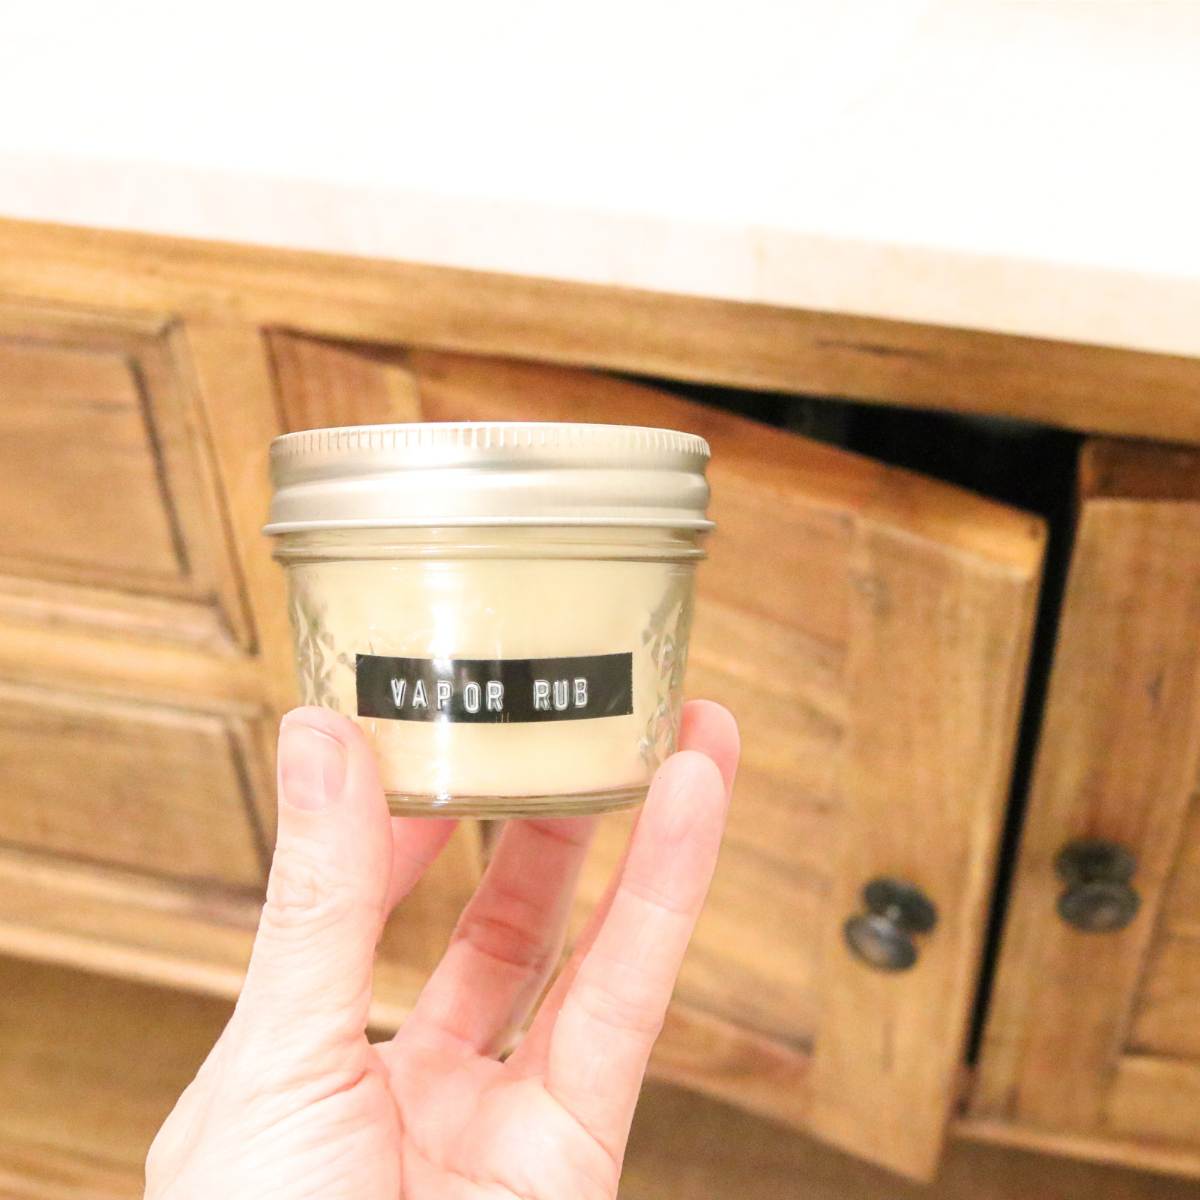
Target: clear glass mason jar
x: 504, y: 608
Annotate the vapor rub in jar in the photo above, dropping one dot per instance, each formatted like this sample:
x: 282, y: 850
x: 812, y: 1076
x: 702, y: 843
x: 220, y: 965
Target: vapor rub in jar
x: 503, y: 607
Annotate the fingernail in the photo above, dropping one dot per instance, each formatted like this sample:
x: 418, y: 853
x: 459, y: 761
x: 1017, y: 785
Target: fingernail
x: 312, y: 766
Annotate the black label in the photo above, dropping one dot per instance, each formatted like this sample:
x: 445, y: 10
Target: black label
x: 484, y: 690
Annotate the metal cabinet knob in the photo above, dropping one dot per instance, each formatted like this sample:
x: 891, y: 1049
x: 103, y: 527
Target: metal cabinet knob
x: 1099, y: 897
x: 882, y: 937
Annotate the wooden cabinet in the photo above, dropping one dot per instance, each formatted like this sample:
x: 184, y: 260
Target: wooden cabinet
x: 1096, y: 1006
x: 135, y: 714
x: 870, y: 626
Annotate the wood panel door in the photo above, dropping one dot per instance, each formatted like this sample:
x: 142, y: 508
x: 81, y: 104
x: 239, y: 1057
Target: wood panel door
x: 1094, y: 1028
x: 870, y: 629
x: 132, y: 714
x: 139, y: 661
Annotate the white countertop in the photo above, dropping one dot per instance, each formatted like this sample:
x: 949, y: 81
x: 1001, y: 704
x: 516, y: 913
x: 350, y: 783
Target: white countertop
x: 1026, y: 166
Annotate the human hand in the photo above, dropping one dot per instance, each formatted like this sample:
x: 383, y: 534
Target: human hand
x: 293, y: 1102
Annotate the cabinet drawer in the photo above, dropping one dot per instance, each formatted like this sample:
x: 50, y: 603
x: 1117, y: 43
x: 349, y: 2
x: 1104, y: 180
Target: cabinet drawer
x: 142, y: 786
x: 110, y: 514
x: 1092, y: 1025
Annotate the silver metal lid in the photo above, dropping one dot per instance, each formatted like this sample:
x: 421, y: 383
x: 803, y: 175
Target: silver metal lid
x: 475, y: 473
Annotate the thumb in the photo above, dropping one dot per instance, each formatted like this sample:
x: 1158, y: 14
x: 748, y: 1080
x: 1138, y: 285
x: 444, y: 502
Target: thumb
x: 309, y: 976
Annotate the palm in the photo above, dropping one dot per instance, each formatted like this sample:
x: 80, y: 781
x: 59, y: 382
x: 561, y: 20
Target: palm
x: 471, y: 1128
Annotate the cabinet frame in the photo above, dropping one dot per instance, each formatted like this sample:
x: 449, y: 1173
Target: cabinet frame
x: 220, y: 299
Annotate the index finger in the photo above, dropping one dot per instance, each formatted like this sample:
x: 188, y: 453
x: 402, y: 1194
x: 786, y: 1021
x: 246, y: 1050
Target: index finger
x: 616, y: 1004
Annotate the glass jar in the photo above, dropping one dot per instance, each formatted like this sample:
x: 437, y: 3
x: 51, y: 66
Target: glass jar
x: 504, y: 608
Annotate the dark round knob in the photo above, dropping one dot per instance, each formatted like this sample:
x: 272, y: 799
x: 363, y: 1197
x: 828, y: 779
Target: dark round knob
x: 1099, y: 897
x: 882, y: 937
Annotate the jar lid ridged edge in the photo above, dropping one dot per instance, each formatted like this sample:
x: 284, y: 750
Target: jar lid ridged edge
x: 489, y: 436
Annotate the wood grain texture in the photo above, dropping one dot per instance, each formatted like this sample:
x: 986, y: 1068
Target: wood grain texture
x: 1156, y: 1098
x: 55, y: 649
x: 113, y: 1056
x: 687, y: 1147
x: 39, y: 1172
x: 159, y: 931
x: 110, y: 508
x: 322, y: 383
x: 870, y: 629
x: 1118, y: 759
x: 1103, y: 1148
x: 1165, y: 1021
x: 725, y: 1058
x: 124, y: 924
x: 745, y: 345
x: 1181, y: 908
x: 225, y: 368
x: 81, y: 479
x: 238, y: 414
x: 139, y: 785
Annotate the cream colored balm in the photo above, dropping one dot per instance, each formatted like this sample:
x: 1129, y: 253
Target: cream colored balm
x: 503, y: 607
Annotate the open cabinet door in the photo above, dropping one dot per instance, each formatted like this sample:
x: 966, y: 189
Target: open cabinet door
x: 870, y: 630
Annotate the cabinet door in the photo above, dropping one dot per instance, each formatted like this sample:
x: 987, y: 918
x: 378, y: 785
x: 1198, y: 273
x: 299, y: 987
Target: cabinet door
x: 1094, y: 1028
x: 144, y: 654
x: 138, y: 662
x: 870, y: 630
x: 130, y: 731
